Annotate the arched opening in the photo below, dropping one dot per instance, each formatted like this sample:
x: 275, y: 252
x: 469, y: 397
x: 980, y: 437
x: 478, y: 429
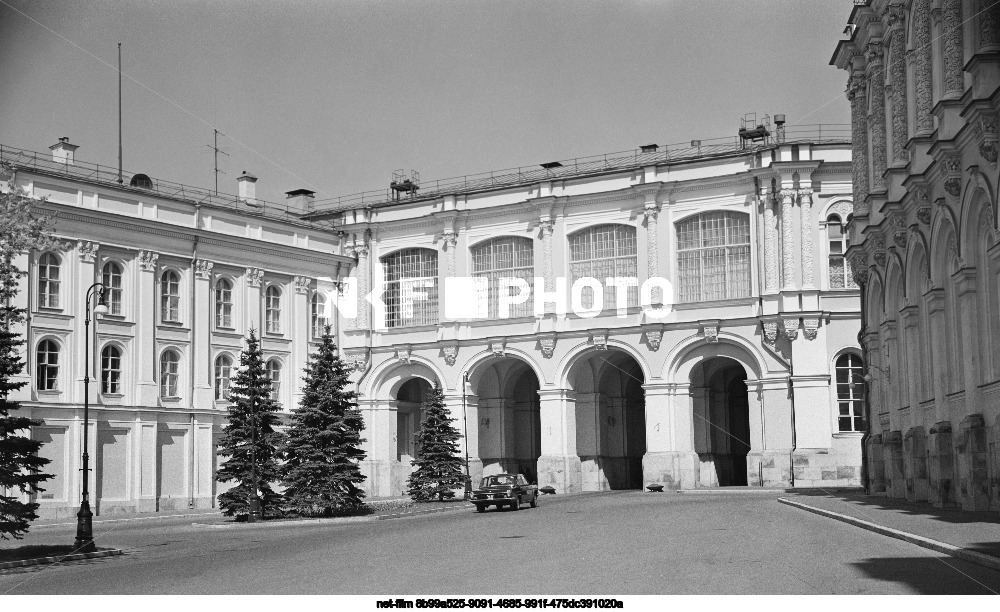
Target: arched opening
x: 610, y: 420
x: 509, y: 417
x: 722, y: 421
x: 410, y: 401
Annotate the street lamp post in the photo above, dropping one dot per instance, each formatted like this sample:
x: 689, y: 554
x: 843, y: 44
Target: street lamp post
x: 85, y: 518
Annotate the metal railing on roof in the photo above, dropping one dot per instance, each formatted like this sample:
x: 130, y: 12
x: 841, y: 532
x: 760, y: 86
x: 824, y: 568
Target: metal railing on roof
x: 608, y: 162
x: 108, y: 176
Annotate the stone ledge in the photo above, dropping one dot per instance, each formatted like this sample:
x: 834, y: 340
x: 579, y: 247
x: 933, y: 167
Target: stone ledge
x: 48, y: 560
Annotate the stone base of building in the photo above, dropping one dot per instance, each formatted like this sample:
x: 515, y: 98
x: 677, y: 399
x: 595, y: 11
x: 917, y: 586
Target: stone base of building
x: 383, y: 478
x: 769, y: 468
x: 672, y: 470
x: 562, y: 473
x: 110, y: 508
x: 820, y: 467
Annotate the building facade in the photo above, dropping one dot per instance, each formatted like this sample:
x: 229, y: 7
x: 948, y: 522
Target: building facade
x: 923, y: 78
x: 732, y: 366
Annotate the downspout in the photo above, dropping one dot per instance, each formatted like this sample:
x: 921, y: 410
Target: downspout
x: 191, y: 359
x: 865, y: 481
x: 791, y: 397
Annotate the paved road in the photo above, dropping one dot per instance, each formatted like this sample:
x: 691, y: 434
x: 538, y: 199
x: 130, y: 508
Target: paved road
x: 611, y: 543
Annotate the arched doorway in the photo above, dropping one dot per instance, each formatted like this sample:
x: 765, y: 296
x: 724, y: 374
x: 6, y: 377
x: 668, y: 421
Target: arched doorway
x: 411, y: 398
x: 509, y: 427
x: 721, y: 421
x: 610, y: 419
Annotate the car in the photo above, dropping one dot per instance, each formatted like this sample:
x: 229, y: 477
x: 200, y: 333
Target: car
x: 504, y: 490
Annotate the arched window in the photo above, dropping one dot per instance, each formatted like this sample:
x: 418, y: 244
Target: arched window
x: 505, y: 258
x: 48, y: 281
x: 111, y: 277
x: 713, y: 257
x: 601, y: 252
x: 223, y: 373
x: 273, y: 369
x: 111, y: 369
x: 169, y: 373
x: 47, y: 366
x: 849, y: 393
x: 224, y: 303
x: 840, y: 270
x: 170, y: 296
x: 272, y: 310
x: 319, y: 318
x: 410, y: 275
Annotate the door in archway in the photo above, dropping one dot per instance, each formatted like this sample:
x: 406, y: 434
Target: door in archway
x: 722, y: 405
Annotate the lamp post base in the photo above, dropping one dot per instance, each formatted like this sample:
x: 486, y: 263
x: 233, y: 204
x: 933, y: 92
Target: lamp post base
x: 84, y: 529
x: 255, y: 513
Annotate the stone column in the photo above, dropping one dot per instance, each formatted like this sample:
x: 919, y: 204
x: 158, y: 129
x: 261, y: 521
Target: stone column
x: 449, y: 246
x: 807, y: 231
x: 381, y: 464
x: 145, y: 330
x: 920, y: 12
x: 559, y: 464
x: 770, y: 244
x: 989, y: 26
x: 954, y: 57
x: 900, y: 132
x: 466, y: 418
x: 546, y: 225
x: 300, y: 330
x: 859, y: 141
x: 876, y: 116
x: 87, y: 275
x: 652, y: 252
x: 670, y: 457
x: 363, y: 321
x: 787, y: 239
x: 201, y: 350
x: 254, y: 277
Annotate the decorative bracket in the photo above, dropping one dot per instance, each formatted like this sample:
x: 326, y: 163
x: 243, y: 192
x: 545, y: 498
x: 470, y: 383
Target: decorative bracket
x: 599, y: 338
x: 710, y: 330
x: 497, y: 346
x: 548, y: 345
x: 450, y: 353
x: 790, y: 328
x: 88, y: 250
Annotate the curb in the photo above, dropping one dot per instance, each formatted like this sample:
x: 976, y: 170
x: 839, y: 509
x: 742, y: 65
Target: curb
x: 955, y: 551
x: 339, y: 519
x: 385, y: 517
x: 48, y: 560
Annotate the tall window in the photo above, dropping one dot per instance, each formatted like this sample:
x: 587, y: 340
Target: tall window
x: 273, y: 369
x: 319, y: 318
x: 223, y: 373
x: 849, y: 396
x: 840, y: 270
x: 504, y: 258
x: 713, y: 257
x: 169, y: 373
x: 47, y: 366
x: 48, y: 281
x: 601, y: 252
x: 170, y: 296
x: 410, y: 275
x: 111, y: 276
x: 272, y: 310
x: 224, y: 303
x: 111, y: 369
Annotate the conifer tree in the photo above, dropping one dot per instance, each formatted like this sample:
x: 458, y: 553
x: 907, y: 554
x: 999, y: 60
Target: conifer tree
x: 321, y: 452
x: 439, y: 467
x: 20, y: 465
x: 249, y: 439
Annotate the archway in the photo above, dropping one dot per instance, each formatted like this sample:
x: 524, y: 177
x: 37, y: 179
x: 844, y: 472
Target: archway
x: 411, y: 398
x: 610, y: 419
x: 505, y: 392
x: 722, y: 421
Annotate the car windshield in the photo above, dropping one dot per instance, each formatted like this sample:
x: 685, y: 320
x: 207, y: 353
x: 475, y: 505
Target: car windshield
x: 497, y: 481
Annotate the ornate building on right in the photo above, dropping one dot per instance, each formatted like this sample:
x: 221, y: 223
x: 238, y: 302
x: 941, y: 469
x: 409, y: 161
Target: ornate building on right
x: 924, y: 87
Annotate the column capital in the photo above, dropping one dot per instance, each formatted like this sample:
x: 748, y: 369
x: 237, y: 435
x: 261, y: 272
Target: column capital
x: 147, y: 260
x: 254, y: 276
x: 302, y: 284
x: 203, y: 269
x: 87, y: 250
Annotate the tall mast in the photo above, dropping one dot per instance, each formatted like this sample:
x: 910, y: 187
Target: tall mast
x: 119, y: 113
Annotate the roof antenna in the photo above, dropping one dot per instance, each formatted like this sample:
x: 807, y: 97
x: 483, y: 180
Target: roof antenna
x: 217, y: 150
x: 119, y: 113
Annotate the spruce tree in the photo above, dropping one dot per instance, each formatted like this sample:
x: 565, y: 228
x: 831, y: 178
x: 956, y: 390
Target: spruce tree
x: 249, y: 439
x: 439, y: 468
x: 321, y: 452
x: 20, y: 465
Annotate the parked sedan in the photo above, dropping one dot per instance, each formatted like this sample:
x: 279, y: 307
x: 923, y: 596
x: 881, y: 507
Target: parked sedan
x: 504, y: 490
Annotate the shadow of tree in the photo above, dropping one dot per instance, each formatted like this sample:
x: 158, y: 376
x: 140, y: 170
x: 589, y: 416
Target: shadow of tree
x: 929, y: 576
x: 949, y: 515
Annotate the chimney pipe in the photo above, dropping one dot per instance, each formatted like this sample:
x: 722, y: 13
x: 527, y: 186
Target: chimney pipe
x: 62, y: 151
x: 248, y: 188
x: 300, y: 200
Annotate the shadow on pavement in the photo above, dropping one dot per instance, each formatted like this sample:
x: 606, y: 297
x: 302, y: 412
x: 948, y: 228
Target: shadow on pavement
x: 923, y: 509
x: 926, y: 576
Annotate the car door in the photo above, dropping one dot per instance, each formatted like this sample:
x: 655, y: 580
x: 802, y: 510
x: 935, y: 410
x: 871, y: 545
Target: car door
x: 522, y: 488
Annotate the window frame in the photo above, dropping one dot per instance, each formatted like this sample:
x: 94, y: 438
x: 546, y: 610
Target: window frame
x: 114, y: 296
x: 575, y: 245
x: 272, y: 309
x: 520, y: 247
x: 221, y: 390
x: 170, y: 303
x: 273, y: 374
x: 50, y: 368
x: 844, y: 243
x: 224, y: 308
x: 317, y: 305
x: 849, y: 396
x: 166, y: 376
x: 116, y: 380
x: 48, y: 287
x: 425, y: 312
x: 728, y: 247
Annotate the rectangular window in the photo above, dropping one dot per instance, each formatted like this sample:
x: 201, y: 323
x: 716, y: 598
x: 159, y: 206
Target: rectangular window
x: 713, y: 257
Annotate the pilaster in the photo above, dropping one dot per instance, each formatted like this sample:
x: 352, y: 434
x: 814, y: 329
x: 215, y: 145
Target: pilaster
x: 145, y: 340
x: 201, y: 351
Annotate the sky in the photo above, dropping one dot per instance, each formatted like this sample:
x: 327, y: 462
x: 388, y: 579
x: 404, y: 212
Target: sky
x: 333, y: 95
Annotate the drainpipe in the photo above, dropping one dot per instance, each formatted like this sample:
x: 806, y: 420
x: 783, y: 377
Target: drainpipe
x: 865, y: 481
x: 194, y: 347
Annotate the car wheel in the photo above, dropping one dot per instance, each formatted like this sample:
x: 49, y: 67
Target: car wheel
x: 534, y: 500
x: 517, y: 503
x: 480, y: 508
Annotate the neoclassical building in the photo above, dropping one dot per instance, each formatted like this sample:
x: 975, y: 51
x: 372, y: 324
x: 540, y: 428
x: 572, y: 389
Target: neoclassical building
x: 923, y: 79
x: 731, y: 367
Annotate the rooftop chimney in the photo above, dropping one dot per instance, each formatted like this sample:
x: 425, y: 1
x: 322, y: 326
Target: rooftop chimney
x: 62, y: 151
x: 248, y: 188
x: 300, y: 200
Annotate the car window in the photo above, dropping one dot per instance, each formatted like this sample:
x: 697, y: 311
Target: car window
x: 521, y: 481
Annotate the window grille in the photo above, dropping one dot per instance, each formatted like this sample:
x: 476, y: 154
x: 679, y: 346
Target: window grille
x: 111, y: 277
x: 47, y: 366
x: 224, y: 303
x: 169, y: 368
x: 850, y: 396
x: 713, y: 257
x: 272, y: 310
x: 223, y: 373
x: 409, y: 273
x: 111, y: 370
x: 274, y: 375
x: 170, y: 296
x: 601, y: 252
x: 48, y: 281
x: 505, y: 258
x: 840, y: 268
x: 319, y: 318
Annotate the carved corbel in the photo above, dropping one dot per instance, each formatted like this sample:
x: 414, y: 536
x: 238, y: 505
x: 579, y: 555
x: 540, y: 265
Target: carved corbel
x: 790, y: 328
x: 710, y: 330
x: 358, y: 360
x: 404, y: 353
x: 953, y: 174
x: 203, y: 269
x: 497, y: 346
x: 548, y: 345
x: 599, y: 338
x: 450, y: 353
x: 302, y: 284
x: 653, y: 337
x: 147, y: 260
x: 810, y: 326
x: 770, y: 329
x: 986, y: 132
x: 87, y: 250
x: 254, y: 276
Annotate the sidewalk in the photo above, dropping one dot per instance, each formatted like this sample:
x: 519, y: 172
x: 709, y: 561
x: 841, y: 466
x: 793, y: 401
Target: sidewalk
x: 973, y: 536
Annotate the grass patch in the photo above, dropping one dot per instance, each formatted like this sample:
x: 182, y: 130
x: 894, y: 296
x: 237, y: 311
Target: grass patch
x: 37, y: 551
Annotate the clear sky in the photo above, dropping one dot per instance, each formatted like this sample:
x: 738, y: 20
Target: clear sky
x: 336, y: 94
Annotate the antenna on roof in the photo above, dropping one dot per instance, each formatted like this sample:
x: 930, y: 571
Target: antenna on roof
x: 217, y: 150
x: 120, y: 114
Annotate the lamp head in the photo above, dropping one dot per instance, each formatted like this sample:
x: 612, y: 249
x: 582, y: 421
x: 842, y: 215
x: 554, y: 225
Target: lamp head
x: 102, y: 306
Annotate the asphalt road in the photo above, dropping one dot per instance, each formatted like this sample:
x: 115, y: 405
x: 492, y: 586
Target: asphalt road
x: 626, y: 543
